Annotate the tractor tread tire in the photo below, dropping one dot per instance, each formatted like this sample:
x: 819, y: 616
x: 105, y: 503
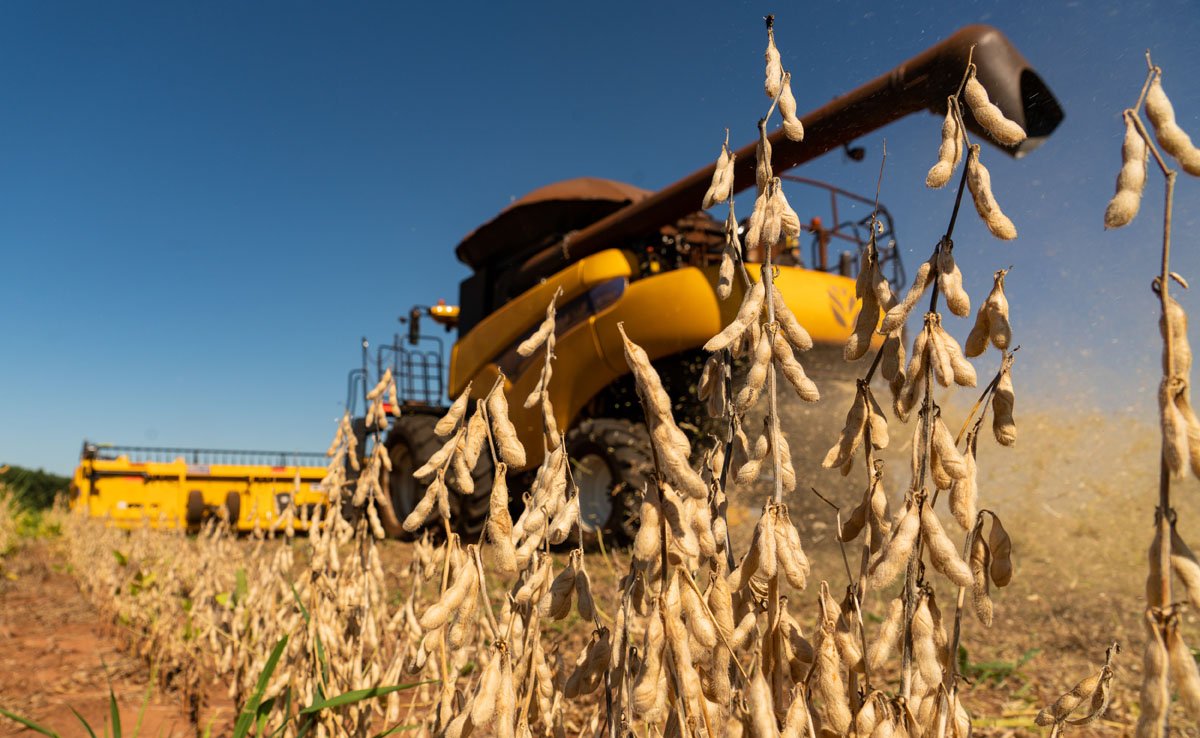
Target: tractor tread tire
x: 412, y: 436
x: 625, y: 447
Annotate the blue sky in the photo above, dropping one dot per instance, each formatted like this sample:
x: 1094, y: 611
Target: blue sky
x: 205, y: 205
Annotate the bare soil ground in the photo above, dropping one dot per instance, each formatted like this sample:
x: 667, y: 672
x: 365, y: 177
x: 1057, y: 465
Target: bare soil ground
x: 56, y: 655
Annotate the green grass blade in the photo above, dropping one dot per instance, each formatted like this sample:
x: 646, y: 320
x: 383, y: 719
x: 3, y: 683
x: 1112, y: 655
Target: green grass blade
x: 114, y: 711
x: 250, y: 710
x: 137, y: 727
x: 358, y: 695
x: 303, y: 609
x: 28, y: 723
x: 86, y: 727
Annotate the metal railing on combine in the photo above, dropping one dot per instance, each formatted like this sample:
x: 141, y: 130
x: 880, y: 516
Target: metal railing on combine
x: 419, y: 373
x: 855, y: 231
x: 142, y: 454
x: 420, y: 377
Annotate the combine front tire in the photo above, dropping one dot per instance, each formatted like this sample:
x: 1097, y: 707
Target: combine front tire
x: 410, y: 444
x: 611, y: 463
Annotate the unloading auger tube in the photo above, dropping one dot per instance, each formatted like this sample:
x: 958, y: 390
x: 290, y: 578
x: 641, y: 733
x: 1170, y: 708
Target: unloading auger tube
x: 921, y: 83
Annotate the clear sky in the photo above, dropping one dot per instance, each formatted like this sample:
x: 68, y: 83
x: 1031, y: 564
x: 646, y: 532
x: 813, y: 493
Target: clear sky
x: 204, y: 205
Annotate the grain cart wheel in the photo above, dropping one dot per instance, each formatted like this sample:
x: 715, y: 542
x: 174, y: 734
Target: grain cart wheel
x: 611, y: 463
x: 195, y: 510
x: 233, y: 506
x: 410, y: 444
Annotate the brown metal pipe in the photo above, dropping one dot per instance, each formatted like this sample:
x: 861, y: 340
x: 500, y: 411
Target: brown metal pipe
x: 921, y: 83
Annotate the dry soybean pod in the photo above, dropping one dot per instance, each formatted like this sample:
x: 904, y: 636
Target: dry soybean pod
x: 1185, y: 566
x: 774, y: 70
x: 961, y: 369
x: 950, y: 281
x: 939, y: 353
x: 828, y: 686
x: 1174, y: 140
x: 483, y: 703
x: 437, y: 460
x: 1174, y: 428
x: 718, y: 190
x: 796, y: 334
x: 1174, y: 321
x: 438, y: 613
x: 892, y: 560
x: 748, y: 313
x: 943, y: 445
x: 792, y: 127
x: 1066, y: 703
x: 888, y: 637
x: 757, y: 376
x: 914, y: 379
x: 789, y: 221
x: 590, y: 668
x: 510, y: 448
x: 1184, y: 674
x: 853, y: 524
x: 791, y: 369
x: 647, y: 542
x: 731, y: 253
x: 964, y: 492
x: 499, y: 524
x: 1004, y: 427
x: 989, y: 116
x: 924, y: 647
x: 868, y: 317
x: 795, y: 725
x: 506, y: 699
x: 416, y: 519
x: 949, y: 152
x: 1156, y: 694
x: 544, y: 333
x: 999, y: 330
x: 584, y: 602
x: 979, y: 181
x: 448, y: 422
x: 981, y: 597
x: 1131, y: 180
x: 851, y: 436
x: 1000, y: 546
x: 899, y: 313
x: 942, y: 552
x: 789, y: 551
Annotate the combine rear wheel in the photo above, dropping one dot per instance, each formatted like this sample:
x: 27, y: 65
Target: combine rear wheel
x: 410, y: 444
x: 611, y: 463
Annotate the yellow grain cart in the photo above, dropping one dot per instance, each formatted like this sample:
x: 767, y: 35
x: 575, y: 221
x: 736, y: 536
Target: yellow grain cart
x: 135, y: 486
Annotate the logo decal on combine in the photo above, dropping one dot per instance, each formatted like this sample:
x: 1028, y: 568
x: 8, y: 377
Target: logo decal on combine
x: 841, y: 303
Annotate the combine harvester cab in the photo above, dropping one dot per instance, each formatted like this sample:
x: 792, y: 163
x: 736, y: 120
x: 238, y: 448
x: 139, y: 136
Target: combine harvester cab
x: 136, y: 486
x: 621, y: 254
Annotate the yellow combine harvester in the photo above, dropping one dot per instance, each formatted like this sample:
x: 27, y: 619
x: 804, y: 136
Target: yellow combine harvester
x: 134, y: 486
x: 649, y: 259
